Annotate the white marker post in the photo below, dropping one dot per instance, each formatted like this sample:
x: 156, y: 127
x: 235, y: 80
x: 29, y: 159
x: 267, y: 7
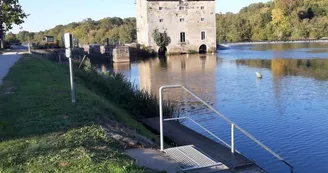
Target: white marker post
x: 29, y: 48
x: 69, y: 45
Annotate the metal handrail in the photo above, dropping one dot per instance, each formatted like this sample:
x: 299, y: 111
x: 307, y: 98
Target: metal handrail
x: 233, y: 125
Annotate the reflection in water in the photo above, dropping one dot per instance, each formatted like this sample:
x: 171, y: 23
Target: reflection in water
x: 122, y: 67
x: 175, y: 70
x: 287, y: 46
x: 192, y: 71
x: 103, y: 68
x: 271, y: 51
x: 315, y: 68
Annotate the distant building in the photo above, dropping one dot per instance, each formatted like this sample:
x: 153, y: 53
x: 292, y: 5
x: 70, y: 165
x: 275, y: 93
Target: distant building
x: 48, y: 39
x: 191, y: 24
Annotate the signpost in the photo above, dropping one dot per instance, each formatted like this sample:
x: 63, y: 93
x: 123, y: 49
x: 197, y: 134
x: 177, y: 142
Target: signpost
x: 29, y: 48
x: 69, y: 45
x: 2, y: 34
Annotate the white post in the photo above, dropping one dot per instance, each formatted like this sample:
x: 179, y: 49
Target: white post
x: 71, y: 79
x: 69, y: 45
x: 161, y: 119
x: 232, y: 138
x: 59, y: 59
x: 29, y: 48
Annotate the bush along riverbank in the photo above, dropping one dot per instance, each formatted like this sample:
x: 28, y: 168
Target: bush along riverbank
x: 42, y: 131
x: 116, y: 88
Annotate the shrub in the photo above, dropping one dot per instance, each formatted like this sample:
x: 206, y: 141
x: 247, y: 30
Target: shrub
x: 190, y: 51
x: 116, y: 88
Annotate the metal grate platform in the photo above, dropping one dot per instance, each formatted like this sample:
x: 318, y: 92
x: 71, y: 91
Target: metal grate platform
x: 191, y: 158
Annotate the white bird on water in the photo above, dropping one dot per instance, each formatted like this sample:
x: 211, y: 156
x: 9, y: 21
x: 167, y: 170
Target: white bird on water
x: 259, y: 75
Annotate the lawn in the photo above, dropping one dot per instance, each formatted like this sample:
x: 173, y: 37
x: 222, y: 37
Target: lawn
x: 42, y: 131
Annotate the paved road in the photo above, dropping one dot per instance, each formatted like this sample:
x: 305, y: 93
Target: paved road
x: 8, y: 59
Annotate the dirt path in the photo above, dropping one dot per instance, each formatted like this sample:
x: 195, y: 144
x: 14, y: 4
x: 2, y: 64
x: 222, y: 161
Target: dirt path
x: 8, y: 59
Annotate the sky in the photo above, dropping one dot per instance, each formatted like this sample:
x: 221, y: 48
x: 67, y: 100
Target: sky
x: 46, y: 14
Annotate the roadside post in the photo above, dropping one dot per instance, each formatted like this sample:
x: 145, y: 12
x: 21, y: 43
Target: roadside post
x: 29, y: 48
x: 69, y: 45
x: 59, y: 58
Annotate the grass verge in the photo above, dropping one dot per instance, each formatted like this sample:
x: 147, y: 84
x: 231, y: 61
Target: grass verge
x: 41, y: 131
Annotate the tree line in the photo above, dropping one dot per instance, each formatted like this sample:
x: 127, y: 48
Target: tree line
x: 88, y: 31
x: 274, y: 20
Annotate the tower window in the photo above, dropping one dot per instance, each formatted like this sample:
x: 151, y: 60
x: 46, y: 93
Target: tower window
x: 202, y: 19
x: 202, y: 7
x: 203, y: 35
x: 160, y: 20
x: 160, y: 8
x: 182, y: 37
x: 181, y: 19
x: 181, y: 8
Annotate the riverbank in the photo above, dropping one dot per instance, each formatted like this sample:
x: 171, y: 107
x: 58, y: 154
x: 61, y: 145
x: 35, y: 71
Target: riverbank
x: 42, y: 131
x: 276, y: 42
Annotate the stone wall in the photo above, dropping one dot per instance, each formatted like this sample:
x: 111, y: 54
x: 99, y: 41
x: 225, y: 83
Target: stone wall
x: 142, y: 19
x: 175, y: 17
x: 114, y: 53
x: 92, y: 48
x: 121, y: 54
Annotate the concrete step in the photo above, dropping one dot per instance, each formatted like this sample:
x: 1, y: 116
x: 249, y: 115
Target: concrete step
x: 209, y: 170
x: 213, y: 170
x: 251, y: 170
x: 153, y: 159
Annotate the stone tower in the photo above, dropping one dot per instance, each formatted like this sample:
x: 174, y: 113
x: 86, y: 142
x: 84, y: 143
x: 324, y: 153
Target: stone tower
x: 191, y: 24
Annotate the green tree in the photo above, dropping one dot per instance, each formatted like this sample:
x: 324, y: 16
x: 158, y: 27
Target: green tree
x: 127, y: 33
x: 114, y: 35
x: 221, y: 28
x: 287, y: 6
x: 11, y: 37
x: 161, y: 39
x: 302, y: 30
x: 11, y: 13
x: 274, y: 20
x: 23, y: 36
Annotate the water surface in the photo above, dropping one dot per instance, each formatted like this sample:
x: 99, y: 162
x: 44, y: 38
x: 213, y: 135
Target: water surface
x: 286, y: 110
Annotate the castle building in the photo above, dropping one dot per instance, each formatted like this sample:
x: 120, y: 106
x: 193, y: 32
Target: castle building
x: 191, y: 24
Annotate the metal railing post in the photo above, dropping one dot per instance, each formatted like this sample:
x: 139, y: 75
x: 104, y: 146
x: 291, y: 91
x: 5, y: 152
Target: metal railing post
x: 232, y: 138
x: 161, y: 119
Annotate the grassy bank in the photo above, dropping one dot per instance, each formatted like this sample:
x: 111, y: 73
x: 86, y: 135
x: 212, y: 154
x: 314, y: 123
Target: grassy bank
x: 41, y: 131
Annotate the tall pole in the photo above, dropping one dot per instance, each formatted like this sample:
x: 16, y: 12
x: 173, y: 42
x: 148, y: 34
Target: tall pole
x: 1, y: 27
x: 29, y: 47
x: 69, y: 45
x: 161, y: 120
x: 71, y: 79
x: 232, y: 138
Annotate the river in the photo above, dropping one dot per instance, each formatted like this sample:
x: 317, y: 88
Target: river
x: 287, y: 109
